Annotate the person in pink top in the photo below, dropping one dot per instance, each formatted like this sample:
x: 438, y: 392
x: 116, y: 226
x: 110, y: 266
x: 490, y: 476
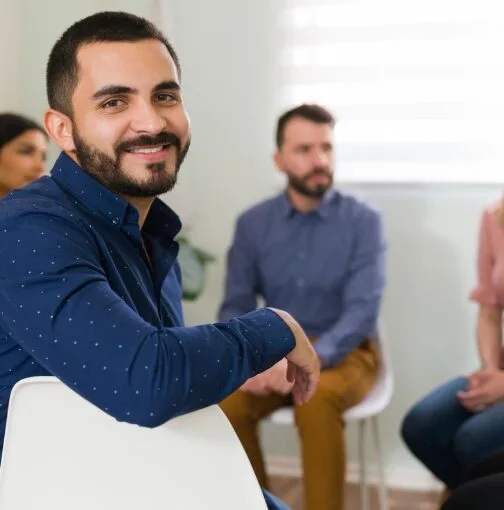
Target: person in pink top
x: 462, y: 422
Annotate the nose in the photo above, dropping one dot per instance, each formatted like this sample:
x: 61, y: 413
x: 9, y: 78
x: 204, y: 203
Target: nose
x: 39, y: 164
x: 147, y: 119
x: 320, y: 159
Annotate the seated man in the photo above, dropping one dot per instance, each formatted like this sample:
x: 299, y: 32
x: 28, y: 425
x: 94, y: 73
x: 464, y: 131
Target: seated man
x: 319, y: 254
x: 89, y: 281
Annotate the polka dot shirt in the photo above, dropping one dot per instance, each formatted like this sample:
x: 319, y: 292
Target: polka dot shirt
x: 80, y: 301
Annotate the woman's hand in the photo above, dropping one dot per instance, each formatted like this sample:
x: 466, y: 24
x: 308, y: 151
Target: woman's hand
x: 485, y: 388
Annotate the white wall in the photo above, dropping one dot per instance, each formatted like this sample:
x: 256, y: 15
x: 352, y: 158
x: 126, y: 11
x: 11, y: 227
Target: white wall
x: 228, y: 59
x: 9, y: 44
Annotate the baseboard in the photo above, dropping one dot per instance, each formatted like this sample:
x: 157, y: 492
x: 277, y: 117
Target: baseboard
x: 396, y: 477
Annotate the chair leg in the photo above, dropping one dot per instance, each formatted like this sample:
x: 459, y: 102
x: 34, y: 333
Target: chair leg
x: 382, y: 487
x: 364, y: 494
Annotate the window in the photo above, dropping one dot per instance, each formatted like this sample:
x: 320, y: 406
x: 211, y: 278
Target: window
x: 417, y: 86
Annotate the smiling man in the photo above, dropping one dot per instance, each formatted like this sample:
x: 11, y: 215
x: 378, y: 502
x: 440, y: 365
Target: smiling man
x: 89, y: 283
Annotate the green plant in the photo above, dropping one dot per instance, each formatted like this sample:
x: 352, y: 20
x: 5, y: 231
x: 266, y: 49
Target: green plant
x: 193, y: 262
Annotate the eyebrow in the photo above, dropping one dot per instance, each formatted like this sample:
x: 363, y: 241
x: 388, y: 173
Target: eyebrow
x: 112, y: 90
x: 166, y: 85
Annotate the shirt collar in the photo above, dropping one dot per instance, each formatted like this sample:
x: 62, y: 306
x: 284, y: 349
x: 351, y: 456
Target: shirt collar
x: 161, y: 220
x: 322, y: 210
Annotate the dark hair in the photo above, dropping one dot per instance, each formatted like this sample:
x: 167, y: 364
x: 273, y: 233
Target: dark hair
x: 62, y: 73
x: 312, y: 112
x: 12, y: 126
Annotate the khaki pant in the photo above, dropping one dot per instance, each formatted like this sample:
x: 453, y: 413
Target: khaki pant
x: 319, y: 422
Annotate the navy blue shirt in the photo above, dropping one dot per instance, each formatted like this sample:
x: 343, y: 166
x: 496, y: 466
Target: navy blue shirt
x: 326, y: 267
x: 79, y: 300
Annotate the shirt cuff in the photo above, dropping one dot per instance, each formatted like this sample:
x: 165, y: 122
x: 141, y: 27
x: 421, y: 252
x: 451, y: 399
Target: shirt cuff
x: 278, y: 339
x: 328, y: 354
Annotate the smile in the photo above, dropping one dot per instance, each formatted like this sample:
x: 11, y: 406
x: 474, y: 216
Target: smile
x: 148, y: 150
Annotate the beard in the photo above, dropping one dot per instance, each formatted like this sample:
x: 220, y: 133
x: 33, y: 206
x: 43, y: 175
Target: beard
x: 303, y: 186
x: 108, y: 172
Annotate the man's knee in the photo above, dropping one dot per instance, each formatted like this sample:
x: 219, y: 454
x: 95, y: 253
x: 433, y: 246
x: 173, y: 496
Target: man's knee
x: 325, y: 408
x: 236, y: 408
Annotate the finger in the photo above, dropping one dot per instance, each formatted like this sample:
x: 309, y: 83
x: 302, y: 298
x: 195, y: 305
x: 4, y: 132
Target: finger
x: 472, y: 383
x: 474, y: 401
x: 311, y: 380
x: 469, y: 408
x: 286, y: 387
x: 291, y: 372
x: 298, y: 395
x: 304, y: 388
x: 312, y: 383
x: 281, y: 385
x: 475, y: 382
x: 475, y: 408
x: 473, y: 393
x: 298, y: 389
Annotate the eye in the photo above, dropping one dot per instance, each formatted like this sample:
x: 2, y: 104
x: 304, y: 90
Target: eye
x: 26, y: 151
x: 165, y: 97
x: 113, y: 103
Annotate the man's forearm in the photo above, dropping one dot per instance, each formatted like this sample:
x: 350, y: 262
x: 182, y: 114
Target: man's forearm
x: 345, y: 336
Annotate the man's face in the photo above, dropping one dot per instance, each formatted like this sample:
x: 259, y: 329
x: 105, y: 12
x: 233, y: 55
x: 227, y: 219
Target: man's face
x: 306, y: 156
x: 130, y: 128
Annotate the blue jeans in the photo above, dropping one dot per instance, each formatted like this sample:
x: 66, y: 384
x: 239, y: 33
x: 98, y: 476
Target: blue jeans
x: 448, y: 438
x: 274, y: 503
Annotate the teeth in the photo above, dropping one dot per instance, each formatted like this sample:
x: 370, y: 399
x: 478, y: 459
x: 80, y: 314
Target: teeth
x: 148, y: 151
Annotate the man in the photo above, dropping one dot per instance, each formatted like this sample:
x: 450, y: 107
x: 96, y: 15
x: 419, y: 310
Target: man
x: 320, y: 255
x: 90, y: 289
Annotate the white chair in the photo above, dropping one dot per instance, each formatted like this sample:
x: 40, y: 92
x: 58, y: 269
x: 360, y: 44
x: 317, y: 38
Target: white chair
x: 367, y: 411
x: 61, y: 453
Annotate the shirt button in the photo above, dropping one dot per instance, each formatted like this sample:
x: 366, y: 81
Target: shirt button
x: 302, y: 255
x: 300, y: 283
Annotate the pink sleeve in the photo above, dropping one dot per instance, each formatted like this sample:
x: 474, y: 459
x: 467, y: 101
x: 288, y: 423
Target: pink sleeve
x: 485, y: 292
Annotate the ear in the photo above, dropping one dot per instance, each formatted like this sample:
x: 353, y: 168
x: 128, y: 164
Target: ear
x: 278, y: 160
x: 59, y: 127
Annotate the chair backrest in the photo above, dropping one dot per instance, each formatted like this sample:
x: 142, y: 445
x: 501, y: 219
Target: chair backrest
x: 380, y: 394
x: 61, y: 452
x: 386, y: 359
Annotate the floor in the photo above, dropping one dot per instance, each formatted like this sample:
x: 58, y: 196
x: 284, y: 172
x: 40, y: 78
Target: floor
x: 290, y: 490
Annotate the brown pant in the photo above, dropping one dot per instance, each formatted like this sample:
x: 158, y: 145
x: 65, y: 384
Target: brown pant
x: 320, y: 425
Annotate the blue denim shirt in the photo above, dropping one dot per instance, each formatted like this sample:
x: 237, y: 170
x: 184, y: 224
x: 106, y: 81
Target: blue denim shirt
x: 79, y: 300
x: 325, y: 267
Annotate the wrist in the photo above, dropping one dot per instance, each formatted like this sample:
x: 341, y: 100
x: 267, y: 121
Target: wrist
x: 490, y: 367
x: 322, y: 361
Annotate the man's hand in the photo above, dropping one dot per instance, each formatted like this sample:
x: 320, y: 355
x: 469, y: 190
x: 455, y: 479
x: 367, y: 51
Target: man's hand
x: 485, y: 388
x: 273, y: 380
x: 303, y: 369
x: 255, y: 386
